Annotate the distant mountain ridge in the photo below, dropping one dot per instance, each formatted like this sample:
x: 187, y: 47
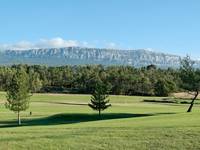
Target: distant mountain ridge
x: 80, y: 56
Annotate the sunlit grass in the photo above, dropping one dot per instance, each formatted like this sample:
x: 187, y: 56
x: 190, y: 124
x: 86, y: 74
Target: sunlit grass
x: 56, y: 123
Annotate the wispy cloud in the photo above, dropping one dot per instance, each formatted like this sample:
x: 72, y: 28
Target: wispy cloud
x: 111, y: 45
x: 42, y: 43
x: 57, y: 42
x: 150, y: 49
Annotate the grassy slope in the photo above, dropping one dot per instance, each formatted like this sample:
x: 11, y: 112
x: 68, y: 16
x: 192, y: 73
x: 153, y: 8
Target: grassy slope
x: 129, y: 124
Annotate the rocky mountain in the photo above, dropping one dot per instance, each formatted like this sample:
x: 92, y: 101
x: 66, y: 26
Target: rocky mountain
x: 78, y: 55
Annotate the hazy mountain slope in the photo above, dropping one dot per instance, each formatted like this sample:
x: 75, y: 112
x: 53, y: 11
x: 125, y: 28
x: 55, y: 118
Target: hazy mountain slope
x: 77, y: 55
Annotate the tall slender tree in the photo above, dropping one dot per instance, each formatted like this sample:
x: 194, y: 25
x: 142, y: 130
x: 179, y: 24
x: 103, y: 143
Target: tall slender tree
x: 18, y: 93
x: 99, y: 98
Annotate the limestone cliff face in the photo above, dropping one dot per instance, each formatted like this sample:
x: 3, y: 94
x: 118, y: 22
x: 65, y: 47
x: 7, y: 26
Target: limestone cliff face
x: 77, y: 55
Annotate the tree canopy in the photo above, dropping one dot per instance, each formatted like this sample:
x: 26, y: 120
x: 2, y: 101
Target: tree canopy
x: 18, y: 93
x: 123, y: 80
x: 190, y: 79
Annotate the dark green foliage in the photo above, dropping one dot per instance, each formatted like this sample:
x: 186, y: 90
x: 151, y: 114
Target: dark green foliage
x: 122, y: 80
x: 164, y: 87
x: 189, y: 75
x: 35, y: 84
x: 153, y: 67
x: 18, y: 93
x: 99, y: 98
x: 190, y: 79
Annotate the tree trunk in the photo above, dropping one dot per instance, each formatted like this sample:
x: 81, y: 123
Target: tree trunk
x: 192, y: 103
x: 99, y: 113
x: 99, y: 108
x: 19, y: 120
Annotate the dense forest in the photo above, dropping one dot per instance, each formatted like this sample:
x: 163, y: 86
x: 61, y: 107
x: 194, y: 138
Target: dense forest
x: 123, y: 80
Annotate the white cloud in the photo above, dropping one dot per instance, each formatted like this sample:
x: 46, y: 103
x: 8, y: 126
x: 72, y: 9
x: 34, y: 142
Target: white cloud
x: 42, y: 43
x: 18, y: 46
x: 111, y: 45
x: 57, y: 42
x: 22, y: 45
x: 150, y: 49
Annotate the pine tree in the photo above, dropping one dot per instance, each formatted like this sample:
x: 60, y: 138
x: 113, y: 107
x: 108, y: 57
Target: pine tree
x: 99, y: 98
x: 18, y: 93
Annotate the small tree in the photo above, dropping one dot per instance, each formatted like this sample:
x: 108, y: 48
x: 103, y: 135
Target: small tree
x: 18, y: 93
x: 99, y: 98
x: 190, y: 79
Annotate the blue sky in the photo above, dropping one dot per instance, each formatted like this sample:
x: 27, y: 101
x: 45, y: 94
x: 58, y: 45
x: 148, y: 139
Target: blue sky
x: 171, y: 26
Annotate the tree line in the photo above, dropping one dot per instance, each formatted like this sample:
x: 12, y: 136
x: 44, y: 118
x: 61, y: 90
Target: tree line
x: 121, y: 80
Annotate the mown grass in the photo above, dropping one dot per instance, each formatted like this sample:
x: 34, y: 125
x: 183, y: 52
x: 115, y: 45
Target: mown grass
x: 66, y: 122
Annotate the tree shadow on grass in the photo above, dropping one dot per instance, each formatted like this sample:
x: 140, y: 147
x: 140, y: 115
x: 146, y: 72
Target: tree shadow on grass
x: 71, y: 119
x: 65, y: 103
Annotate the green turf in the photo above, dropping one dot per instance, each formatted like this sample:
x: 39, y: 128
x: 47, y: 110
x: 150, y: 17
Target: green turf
x: 66, y: 122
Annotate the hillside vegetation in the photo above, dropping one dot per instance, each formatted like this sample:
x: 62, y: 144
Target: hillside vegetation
x: 122, y: 80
